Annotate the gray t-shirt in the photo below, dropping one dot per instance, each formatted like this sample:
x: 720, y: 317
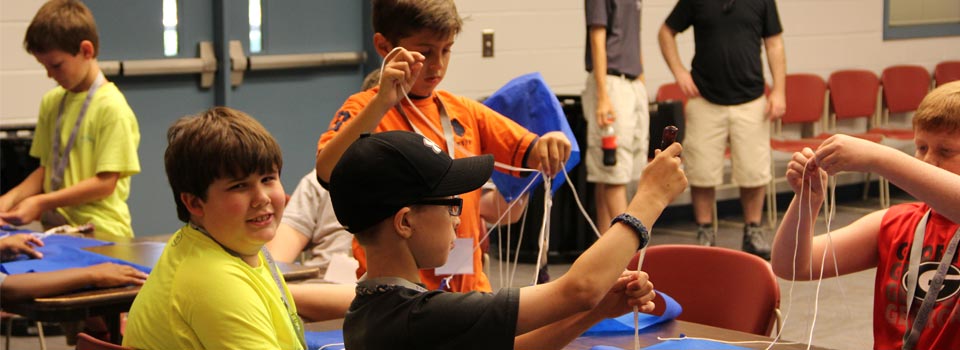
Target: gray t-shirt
x: 622, y: 20
x: 392, y: 313
x: 310, y: 212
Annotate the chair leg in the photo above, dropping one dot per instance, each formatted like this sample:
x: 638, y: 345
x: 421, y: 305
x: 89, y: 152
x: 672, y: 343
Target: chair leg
x: 8, y: 332
x: 43, y: 342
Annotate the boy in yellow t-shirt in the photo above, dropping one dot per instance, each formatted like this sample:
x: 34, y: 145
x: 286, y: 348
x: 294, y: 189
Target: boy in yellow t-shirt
x: 215, y: 286
x: 86, y: 136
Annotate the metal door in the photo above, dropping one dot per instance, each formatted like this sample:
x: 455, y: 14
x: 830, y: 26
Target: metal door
x: 294, y: 104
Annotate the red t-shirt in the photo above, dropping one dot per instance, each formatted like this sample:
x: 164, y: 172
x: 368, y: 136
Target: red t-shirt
x: 478, y: 129
x: 889, y: 303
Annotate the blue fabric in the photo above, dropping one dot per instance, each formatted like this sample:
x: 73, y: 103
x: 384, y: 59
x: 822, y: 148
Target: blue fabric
x: 63, y: 252
x: 528, y: 101
x: 687, y: 343
x: 317, y: 339
x: 624, y: 324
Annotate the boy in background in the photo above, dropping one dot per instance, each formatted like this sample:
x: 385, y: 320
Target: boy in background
x: 215, y: 285
x: 414, y: 37
x: 398, y: 193
x: 86, y: 136
x: 886, y: 238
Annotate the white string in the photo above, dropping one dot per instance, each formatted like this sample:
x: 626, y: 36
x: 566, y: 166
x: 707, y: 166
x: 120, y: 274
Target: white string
x: 329, y: 345
x: 730, y: 342
x: 544, y: 226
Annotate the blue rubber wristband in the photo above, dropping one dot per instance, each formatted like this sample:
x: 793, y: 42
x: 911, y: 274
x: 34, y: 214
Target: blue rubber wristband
x: 633, y: 223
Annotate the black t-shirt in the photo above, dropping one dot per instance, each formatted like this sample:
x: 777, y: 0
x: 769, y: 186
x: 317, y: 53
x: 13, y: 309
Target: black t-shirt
x: 391, y: 313
x: 726, y: 66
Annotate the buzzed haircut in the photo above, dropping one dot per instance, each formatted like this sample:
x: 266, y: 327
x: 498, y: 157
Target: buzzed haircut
x: 940, y: 110
x: 218, y: 143
x: 61, y: 25
x: 398, y: 19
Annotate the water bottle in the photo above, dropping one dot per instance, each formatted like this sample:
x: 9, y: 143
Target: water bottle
x: 608, y: 143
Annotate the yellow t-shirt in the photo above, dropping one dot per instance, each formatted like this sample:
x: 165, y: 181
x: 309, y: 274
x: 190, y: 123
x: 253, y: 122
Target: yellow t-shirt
x: 198, y: 296
x: 106, y: 142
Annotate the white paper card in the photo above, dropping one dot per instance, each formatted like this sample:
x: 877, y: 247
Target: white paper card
x: 460, y: 261
x: 342, y: 269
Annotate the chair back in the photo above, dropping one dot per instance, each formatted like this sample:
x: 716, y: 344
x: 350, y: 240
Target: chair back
x: 904, y: 87
x: 671, y: 91
x: 806, y: 96
x: 716, y: 286
x: 853, y: 93
x: 946, y: 72
x: 87, y: 342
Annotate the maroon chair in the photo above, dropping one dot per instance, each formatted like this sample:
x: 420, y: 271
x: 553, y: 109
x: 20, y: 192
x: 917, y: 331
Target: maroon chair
x: 946, y: 72
x: 88, y: 342
x: 903, y: 88
x: 716, y: 286
x: 671, y: 92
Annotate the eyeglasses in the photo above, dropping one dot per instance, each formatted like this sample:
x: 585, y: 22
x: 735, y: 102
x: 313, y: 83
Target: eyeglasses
x: 727, y: 6
x: 454, y: 205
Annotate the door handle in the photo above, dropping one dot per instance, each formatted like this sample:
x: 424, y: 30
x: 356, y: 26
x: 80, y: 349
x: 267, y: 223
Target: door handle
x: 240, y: 63
x: 205, y: 65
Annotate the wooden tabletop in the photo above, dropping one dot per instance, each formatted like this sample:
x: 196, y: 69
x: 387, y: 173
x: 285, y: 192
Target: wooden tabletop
x: 670, y: 329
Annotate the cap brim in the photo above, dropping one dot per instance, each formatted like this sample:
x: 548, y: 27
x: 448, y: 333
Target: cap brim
x: 465, y: 175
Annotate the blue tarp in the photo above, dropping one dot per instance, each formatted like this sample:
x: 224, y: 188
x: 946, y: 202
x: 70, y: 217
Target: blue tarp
x: 528, y: 101
x: 624, y: 324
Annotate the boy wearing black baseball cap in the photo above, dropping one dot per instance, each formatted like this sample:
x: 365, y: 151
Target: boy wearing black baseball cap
x: 396, y: 191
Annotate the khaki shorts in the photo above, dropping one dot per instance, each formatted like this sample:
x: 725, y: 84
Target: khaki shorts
x: 710, y: 126
x: 630, y: 103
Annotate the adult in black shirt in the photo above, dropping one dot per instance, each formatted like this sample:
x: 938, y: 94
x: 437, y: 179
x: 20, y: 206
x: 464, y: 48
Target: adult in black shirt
x: 727, y: 102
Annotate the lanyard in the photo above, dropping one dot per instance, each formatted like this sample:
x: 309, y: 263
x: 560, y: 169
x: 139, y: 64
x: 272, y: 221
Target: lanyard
x: 61, y: 159
x: 912, y: 334
x: 272, y: 266
x: 444, y: 123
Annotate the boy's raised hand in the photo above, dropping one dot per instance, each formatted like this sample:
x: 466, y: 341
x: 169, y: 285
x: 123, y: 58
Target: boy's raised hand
x: 803, y: 172
x: 662, y: 180
x: 401, y: 70
x: 550, y: 153
x: 847, y: 153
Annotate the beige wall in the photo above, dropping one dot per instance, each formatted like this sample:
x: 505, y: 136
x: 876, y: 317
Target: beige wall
x: 22, y: 80
x: 548, y: 36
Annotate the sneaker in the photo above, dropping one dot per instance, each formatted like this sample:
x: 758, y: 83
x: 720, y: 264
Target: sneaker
x: 706, y: 235
x: 754, y: 242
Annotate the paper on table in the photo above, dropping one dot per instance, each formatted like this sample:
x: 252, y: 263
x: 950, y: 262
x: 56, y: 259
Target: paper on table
x: 624, y: 324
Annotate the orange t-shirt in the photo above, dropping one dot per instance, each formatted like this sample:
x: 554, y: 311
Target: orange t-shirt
x: 476, y: 128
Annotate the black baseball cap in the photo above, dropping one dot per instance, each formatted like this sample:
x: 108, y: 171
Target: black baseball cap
x: 381, y: 173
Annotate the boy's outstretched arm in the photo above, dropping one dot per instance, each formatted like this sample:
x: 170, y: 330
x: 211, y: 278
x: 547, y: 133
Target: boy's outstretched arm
x: 633, y: 288
x: 401, y: 71
x: 797, y: 254
x: 926, y: 182
x: 85, y: 191
x: 35, y: 285
x: 587, y: 282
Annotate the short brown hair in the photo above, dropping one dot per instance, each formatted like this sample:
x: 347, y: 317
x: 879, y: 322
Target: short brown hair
x: 61, y: 25
x: 220, y: 142
x: 398, y: 19
x: 940, y: 110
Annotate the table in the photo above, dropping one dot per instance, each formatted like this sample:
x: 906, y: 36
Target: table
x: 647, y: 337
x: 110, y: 302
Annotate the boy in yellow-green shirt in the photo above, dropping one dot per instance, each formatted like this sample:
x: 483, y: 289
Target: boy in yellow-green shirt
x: 215, y: 286
x: 86, y: 136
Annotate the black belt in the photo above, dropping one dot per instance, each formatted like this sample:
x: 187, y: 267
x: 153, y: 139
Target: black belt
x: 611, y: 71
